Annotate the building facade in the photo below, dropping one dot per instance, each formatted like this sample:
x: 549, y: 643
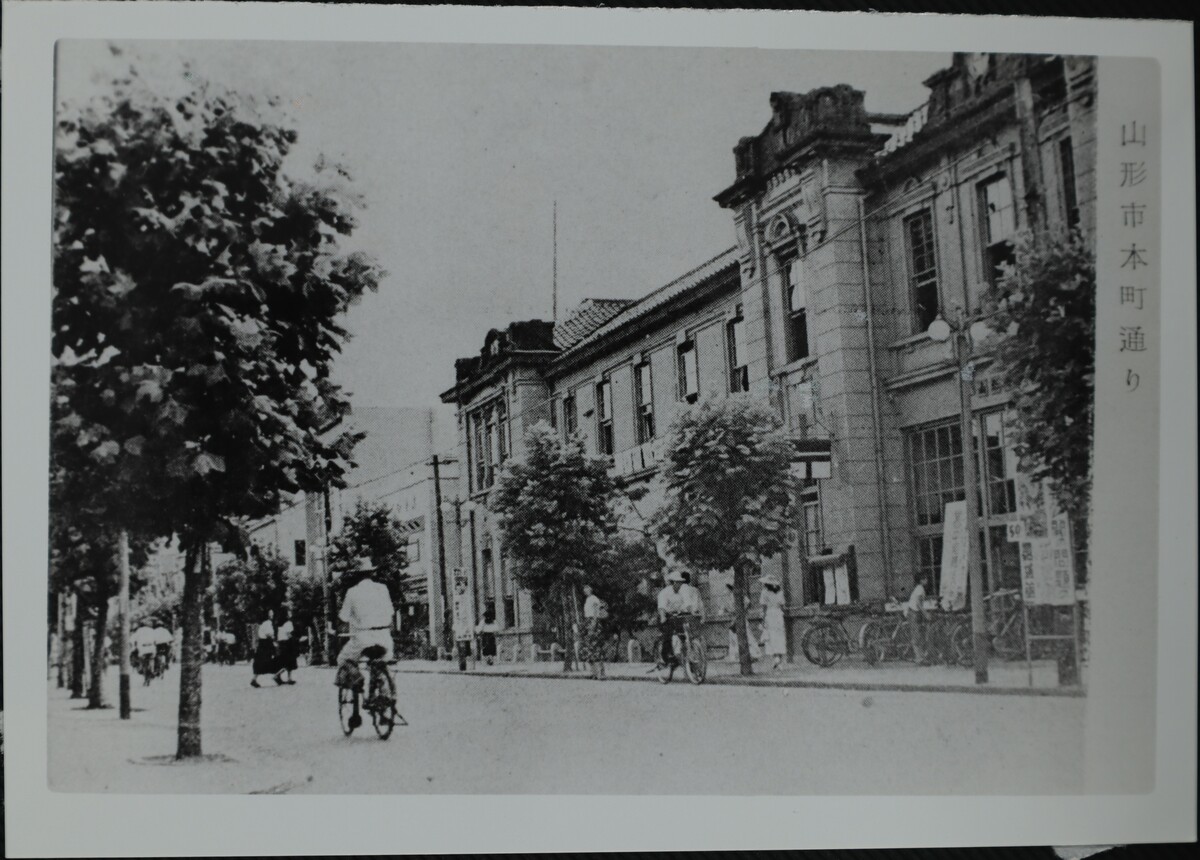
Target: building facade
x: 854, y: 232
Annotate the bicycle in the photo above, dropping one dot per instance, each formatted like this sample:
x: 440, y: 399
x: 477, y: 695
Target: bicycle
x: 886, y: 638
x: 826, y: 641
x: 1005, y: 629
x: 380, y: 698
x: 689, y: 650
x: 146, y: 666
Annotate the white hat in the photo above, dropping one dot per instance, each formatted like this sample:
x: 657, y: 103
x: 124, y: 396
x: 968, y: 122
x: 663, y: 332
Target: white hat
x: 770, y: 579
x: 675, y: 576
x: 362, y: 564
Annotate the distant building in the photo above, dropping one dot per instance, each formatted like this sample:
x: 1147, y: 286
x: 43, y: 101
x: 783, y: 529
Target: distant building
x: 855, y: 231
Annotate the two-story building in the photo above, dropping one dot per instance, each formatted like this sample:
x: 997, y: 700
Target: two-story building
x: 855, y: 231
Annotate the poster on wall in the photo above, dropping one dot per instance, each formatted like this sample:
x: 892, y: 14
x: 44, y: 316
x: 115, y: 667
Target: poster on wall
x: 953, y: 589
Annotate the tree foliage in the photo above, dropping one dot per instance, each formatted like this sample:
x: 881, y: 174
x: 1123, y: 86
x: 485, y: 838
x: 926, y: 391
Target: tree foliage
x: 373, y: 531
x: 247, y: 588
x: 556, y: 517
x: 1046, y: 316
x: 197, y: 293
x: 623, y: 581
x: 729, y: 492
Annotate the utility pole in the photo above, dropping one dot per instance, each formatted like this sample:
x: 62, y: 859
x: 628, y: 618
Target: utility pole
x: 447, y: 639
x: 123, y: 599
x: 554, y: 272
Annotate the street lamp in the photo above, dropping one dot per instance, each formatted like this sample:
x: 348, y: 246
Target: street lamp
x: 964, y: 336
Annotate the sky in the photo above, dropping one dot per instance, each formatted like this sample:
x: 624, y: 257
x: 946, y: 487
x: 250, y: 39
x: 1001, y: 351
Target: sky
x: 462, y: 150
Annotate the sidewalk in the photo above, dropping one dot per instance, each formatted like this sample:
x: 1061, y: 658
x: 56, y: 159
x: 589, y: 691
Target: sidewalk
x: 96, y: 751
x: 1004, y: 678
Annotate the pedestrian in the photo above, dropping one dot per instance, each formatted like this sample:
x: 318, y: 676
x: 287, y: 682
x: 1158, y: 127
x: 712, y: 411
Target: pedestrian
x: 264, y: 650
x: 144, y: 646
x: 914, y: 610
x: 487, y: 635
x: 285, y: 647
x: 595, y: 612
x: 774, y: 636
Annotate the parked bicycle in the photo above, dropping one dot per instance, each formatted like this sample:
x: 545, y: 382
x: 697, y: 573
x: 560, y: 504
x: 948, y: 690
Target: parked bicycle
x: 827, y: 641
x: 379, y: 700
x: 1005, y: 629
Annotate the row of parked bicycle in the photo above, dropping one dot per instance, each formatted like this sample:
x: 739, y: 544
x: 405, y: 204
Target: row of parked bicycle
x: 948, y: 636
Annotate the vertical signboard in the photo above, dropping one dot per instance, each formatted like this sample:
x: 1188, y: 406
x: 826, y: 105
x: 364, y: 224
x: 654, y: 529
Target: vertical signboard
x: 953, y: 589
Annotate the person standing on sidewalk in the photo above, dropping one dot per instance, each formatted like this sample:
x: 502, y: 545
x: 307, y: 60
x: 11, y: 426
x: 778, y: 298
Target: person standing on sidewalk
x: 264, y: 650
x: 773, y: 632
x: 594, y: 615
x: 914, y: 610
x: 285, y: 647
x: 486, y: 629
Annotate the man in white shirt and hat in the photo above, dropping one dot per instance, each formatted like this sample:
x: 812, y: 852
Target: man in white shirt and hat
x: 675, y: 601
x: 367, y: 609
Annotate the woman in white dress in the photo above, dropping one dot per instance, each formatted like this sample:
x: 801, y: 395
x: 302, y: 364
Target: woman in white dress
x: 774, y: 637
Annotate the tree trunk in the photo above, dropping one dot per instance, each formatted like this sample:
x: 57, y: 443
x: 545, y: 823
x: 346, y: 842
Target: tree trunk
x: 568, y: 636
x: 192, y: 653
x: 739, y: 618
x: 99, y: 658
x: 77, y: 646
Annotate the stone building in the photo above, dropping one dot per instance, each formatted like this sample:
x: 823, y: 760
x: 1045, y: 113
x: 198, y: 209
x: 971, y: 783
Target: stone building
x: 855, y: 231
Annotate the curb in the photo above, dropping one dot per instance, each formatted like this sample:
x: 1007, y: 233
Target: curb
x: 787, y: 683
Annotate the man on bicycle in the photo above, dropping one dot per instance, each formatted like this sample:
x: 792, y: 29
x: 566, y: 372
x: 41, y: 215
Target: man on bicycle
x: 162, y: 647
x: 675, y: 601
x: 144, y: 647
x: 367, y: 609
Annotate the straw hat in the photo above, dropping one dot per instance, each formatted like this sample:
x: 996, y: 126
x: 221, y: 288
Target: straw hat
x: 771, y: 579
x: 675, y: 576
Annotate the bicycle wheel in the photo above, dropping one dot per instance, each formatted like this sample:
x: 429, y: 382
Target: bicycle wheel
x: 826, y: 645
x: 1010, y: 643
x: 962, y: 646
x: 697, y: 662
x: 874, y: 641
x: 382, y: 702
x: 346, y: 696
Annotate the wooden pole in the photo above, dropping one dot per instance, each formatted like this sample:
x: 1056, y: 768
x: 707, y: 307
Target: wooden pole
x: 123, y: 598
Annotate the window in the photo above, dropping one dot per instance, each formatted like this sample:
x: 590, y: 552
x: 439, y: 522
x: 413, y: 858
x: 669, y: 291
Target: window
x: 570, y: 415
x: 689, y: 379
x: 797, y: 305
x: 301, y: 554
x: 604, y: 421
x: 1066, y: 163
x: 644, y: 395
x: 489, y: 585
x: 507, y: 590
x: 735, y: 339
x: 489, y: 446
x: 922, y: 268
x: 412, y: 550
x: 810, y: 517
x: 997, y: 215
x: 935, y: 455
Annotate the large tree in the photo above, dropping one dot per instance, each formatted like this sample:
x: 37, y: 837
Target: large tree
x: 1045, y: 316
x: 729, y: 493
x: 197, y: 292
x: 247, y: 587
x: 555, y: 505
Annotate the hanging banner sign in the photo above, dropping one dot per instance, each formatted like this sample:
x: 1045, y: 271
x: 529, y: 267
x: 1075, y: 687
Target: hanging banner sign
x: 954, y: 556
x: 464, y: 627
x: 1047, y: 563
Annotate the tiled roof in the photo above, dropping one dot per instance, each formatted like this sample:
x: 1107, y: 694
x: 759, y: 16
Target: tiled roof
x: 676, y: 288
x: 585, y: 319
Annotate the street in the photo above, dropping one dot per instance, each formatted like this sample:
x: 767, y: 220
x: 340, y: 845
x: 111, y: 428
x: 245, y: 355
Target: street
x: 502, y: 735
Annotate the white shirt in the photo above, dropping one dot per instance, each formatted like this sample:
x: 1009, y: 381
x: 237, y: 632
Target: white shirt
x: 367, y: 605
x: 916, y: 600
x: 266, y: 630
x: 591, y: 606
x: 687, y: 599
x: 284, y: 633
x: 143, y: 640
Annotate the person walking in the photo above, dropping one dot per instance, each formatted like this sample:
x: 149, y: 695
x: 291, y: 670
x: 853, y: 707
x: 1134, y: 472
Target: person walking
x: 285, y: 648
x: 486, y: 629
x: 264, y: 650
x: 774, y: 635
x: 914, y: 610
x: 594, y: 615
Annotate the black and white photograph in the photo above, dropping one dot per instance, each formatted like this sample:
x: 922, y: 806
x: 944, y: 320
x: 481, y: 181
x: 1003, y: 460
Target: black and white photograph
x: 442, y: 418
